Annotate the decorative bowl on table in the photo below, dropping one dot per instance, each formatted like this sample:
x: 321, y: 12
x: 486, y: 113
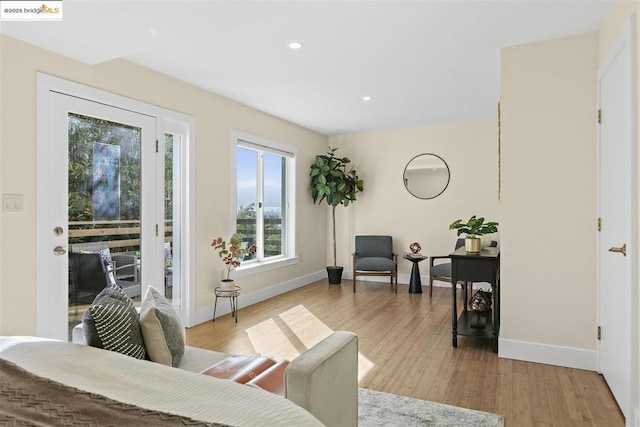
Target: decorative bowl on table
x: 415, y: 247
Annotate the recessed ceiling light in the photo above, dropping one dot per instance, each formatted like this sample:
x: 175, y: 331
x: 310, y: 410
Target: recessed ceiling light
x: 295, y: 45
x: 367, y: 98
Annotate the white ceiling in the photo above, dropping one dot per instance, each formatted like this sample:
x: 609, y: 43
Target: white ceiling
x: 423, y: 62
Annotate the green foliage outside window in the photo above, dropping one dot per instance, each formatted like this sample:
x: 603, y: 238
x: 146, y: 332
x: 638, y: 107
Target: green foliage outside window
x: 168, y: 176
x: 83, y: 133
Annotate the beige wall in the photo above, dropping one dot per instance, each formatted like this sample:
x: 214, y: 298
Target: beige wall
x: 548, y: 206
x: 215, y: 117
x: 617, y: 18
x: 386, y: 207
x: 548, y: 181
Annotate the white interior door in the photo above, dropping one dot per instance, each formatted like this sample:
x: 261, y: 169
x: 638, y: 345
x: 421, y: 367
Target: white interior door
x: 116, y: 140
x: 617, y: 255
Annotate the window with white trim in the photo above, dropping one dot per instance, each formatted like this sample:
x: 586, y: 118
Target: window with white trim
x: 265, y: 197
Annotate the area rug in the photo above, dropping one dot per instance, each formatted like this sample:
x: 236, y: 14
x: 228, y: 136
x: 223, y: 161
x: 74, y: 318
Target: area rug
x: 383, y: 409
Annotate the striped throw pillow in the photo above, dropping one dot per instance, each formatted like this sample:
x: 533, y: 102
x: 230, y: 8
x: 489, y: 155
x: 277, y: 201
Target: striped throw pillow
x: 111, y: 322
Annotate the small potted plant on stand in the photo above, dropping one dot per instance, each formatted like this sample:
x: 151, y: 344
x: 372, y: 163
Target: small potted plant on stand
x: 473, y: 229
x: 333, y: 182
x: 232, y: 256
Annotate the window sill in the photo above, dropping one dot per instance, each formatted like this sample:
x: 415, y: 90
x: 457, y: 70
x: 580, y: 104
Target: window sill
x: 256, y: 268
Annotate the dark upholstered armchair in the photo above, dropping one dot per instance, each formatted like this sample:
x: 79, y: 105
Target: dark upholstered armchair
x: 442, y: 271
x: 92, y: 268
x: 88, y: 277
x: 374, y: 257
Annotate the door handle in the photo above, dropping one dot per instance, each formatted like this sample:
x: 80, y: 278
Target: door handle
x: 622, y: 250
x: 59, y: 250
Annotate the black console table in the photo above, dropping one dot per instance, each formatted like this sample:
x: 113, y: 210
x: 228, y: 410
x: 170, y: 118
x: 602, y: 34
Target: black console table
x: 479, y: 267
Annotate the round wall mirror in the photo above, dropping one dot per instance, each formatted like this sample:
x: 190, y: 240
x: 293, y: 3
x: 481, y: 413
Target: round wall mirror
x: 426, y: 176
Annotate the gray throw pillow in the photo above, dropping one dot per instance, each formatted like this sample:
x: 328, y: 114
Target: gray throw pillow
x: 162, y: 329
x: 111, y: 322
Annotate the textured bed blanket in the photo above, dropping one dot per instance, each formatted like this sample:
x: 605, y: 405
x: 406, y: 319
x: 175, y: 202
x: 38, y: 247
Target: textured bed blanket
x: 27, y: 399
x: 151, y: 385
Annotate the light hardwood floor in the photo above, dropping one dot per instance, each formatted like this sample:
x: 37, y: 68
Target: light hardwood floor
x: 405, y: 348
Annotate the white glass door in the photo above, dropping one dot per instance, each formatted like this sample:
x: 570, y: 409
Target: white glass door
x: 172, y: 253
x: 104, y: 216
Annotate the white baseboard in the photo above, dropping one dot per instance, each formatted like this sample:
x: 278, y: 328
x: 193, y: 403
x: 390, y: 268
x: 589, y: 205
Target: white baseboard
x: 403, y: 279
x: 205, y: 314
x: 548, y: 354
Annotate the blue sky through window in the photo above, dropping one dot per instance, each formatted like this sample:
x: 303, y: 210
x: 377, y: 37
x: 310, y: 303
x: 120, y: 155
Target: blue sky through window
x: 247, y: 180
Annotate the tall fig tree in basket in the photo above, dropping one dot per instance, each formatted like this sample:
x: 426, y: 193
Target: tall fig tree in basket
x: 335, y: 181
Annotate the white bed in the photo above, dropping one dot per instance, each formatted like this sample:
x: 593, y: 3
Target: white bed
x: 151, y: 385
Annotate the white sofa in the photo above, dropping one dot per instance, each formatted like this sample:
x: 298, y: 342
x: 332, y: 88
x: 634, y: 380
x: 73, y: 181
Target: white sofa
x: 323, y: 380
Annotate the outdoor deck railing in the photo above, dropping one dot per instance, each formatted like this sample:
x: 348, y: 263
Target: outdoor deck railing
x: 124, y: 236
x: 120, y: 236
x: 273, y: 234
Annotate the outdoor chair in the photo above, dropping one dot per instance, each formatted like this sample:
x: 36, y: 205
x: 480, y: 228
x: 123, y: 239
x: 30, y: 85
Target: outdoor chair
x: 92, y: 268
x: 374, y: 257
x: 88, y: 278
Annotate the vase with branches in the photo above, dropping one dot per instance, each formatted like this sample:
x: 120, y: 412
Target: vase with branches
x: 232, y: 254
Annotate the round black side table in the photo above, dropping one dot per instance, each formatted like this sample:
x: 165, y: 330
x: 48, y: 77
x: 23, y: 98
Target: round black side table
x: 415, y: 284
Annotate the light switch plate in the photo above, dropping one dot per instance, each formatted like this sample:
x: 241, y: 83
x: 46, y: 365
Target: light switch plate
x: 12, y: 202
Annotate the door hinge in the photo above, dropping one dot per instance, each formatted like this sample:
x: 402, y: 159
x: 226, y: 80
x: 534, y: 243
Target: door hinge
x: 599, y: 333
x: 157, y: 230
x: 156, y: 145
x: 599, y: 224
x: 599, y: 115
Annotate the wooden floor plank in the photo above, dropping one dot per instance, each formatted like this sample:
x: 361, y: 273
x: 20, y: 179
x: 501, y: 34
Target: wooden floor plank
x: 405, y: 348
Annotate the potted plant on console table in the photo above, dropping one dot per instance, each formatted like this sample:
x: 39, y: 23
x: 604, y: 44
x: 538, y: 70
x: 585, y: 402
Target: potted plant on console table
x: 473, y: 229
x: 333, y: 182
